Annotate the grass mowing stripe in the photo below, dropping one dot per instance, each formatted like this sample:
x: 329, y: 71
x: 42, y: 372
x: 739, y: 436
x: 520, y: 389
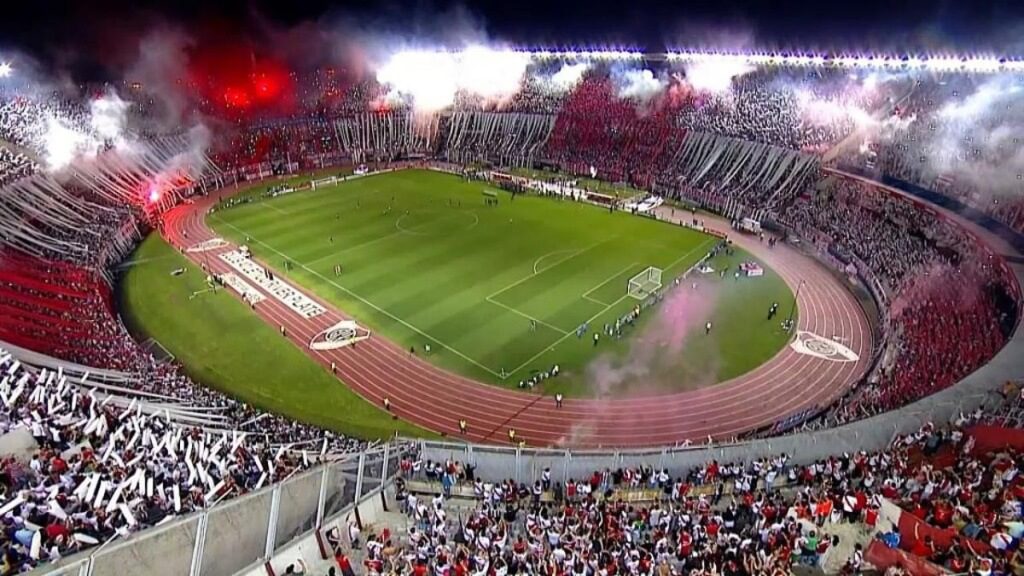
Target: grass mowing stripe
x: 365, y: 301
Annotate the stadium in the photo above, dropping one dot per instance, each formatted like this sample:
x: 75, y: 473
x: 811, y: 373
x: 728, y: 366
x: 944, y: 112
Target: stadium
x: 497, y: 309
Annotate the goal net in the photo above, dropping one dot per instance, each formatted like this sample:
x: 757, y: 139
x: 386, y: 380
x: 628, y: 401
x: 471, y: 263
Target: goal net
x: 645, y: 283
x: 330, y: 181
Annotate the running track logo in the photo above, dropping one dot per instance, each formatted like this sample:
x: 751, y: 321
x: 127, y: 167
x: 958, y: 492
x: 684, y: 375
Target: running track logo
x: 208, y: 245
x: 342, y: 334
x: 813, y: 345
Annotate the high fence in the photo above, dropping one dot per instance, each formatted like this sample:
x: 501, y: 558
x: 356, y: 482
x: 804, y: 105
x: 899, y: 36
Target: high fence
x: 245, y: 532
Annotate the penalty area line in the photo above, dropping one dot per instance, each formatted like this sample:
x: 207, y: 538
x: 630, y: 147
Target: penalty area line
x: 573, y: 254
x: 586, y: 294
x: 525, y: 315
x: 367, y: 302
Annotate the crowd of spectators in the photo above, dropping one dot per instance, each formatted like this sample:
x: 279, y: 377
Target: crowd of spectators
x: 808, y: 110
x: 15, y: 165
x: 951, y: 307
x: 954, y: 134
x: 24, y: 119
x: 759, y: 517
x: 619, y: 139
x: 105, y: 469
x: 893, y: 236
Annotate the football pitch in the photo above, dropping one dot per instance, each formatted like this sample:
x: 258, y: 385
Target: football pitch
x: 497, y: 292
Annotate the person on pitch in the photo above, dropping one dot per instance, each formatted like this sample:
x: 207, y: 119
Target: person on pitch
x: 558, y: 400
x: 512, y: 435
x: 707, y: 328
x: 387, y: 404
x: 462, y: 427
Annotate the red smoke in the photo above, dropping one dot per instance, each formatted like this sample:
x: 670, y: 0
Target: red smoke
x: 238, y: 80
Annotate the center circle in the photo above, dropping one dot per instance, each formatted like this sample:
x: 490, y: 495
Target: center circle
x: 435, y: 222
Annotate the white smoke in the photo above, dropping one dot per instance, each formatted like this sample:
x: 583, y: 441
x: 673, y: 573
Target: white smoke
x: 433, y: 78
x: 823, y: 112
x: 160, y: 68
x: 977, y: 137
x: 715, y: 76
x: 641, y: 85
x: 108, y: 117
x: 62, y: 144
x: 568, y: 76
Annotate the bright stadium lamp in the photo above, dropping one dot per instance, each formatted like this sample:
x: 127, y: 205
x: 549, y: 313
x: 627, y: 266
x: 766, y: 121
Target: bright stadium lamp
x: 6, y: 69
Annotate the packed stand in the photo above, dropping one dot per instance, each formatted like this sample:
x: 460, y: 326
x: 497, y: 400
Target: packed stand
x: 61, y: 310
x: 808, y: 110
x: 954, y: 134
x: 760, y: 517
x: 951, y: 303
x: 947, y: 324
x: 105, y: 469
x: 24, y: 120
x: 15, y: 165
x: 894, y: 237
x: 620, y: 141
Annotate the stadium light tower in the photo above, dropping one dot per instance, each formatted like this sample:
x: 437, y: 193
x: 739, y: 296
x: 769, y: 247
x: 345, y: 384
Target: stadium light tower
x: 6, y: 69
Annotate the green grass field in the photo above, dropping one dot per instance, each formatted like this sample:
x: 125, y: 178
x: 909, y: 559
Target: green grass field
x: 222, y: 344
x: 424, y: 261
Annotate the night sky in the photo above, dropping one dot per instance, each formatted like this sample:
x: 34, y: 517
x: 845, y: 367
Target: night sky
x: 93, y: 36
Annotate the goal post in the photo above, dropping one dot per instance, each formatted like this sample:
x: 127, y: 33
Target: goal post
x: 645, y: 283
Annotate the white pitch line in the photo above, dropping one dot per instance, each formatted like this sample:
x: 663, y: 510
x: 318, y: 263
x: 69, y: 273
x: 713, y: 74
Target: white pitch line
x: 595, y: 316
x: 527, y: 316
x: 541, y: 259
x: 596, y: 301
x: 546, y: 268
x: 365, y: 301
x: 607, y: 280
x: 274, y: 208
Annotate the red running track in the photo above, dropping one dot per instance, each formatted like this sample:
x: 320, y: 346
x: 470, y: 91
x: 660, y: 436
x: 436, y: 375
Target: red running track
x: 435, y: 399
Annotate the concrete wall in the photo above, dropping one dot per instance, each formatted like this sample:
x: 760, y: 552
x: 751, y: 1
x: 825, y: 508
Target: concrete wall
x: 167, y: 552
x: 236, y: 535
x: 297, y: 513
